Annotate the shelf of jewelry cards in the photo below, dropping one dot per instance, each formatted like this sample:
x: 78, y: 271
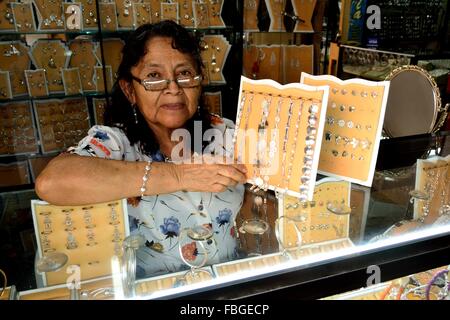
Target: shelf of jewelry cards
x: 17, y: 129
x: 279, y: 132
x: 325, y: 218
x: 61, y: 122
x: 89, y: 235
x: 267, y: 262
x: 61, y: 16
x: 353, y: 127
x: 431, y: 194
x: 94, y: 289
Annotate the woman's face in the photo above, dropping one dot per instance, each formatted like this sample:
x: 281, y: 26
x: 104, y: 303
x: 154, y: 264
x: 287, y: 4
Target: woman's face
x: 169, y: 108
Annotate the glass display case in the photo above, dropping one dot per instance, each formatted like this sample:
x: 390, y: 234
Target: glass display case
x: 343, y: 236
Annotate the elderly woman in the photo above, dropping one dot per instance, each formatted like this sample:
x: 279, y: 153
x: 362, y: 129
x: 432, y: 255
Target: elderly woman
x: 158, y: 91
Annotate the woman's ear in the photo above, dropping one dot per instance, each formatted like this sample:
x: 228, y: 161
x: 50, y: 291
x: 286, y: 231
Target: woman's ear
x: 127, y: 90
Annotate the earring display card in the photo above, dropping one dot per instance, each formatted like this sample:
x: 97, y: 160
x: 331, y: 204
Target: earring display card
x: 99, y: 109
x: 213, y: 102
x: 61, y: 123
x: 112, y: 51
x: 153, y: 285
x: 169, y: 11
x: 89, y: 14
x: 354, y: 122
x: 73, y: 16
x: 15, y: 59
x: 36, y: 83
x: 186, y: 13
x: 201, y: 15
x: 7, y: 23
x: 215, y: 14
x: 205, y: 73
x: 215, y: 53
x: 100, y: 79
x: 23, y: 17
x: 83, y: 56
x: 89, y: 235
x: 156, y: 10
x: 142, y: 14
x: 316, y: 220
x: 297, y: 59
x: 251, y: 15
x: 14, y: 174
x: 5, y: 85
x: 17, y: 130
x: 72, y: 81
x: 275, y: 9
x: 433, y: 181
x: 50, y: 15
x: 108, y: 16
x: 278, y: 134
x: 51, y: 55
x: 304, y: 10
x: 125, y: 14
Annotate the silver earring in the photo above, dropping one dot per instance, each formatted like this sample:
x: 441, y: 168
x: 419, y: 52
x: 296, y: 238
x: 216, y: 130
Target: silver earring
x: 135, y: 114
x: 198, y: 110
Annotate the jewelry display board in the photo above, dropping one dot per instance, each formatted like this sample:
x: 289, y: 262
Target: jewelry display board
x: 50, y: 15
x: 250, y: 15
x: 51, y: 55
x: 17, y: 130
x: 146, y: 287
x: 61, y: 122
x: 263, y: 62
x: 15, y: 59
x: 186, y: 13
x: 5, y: 85
x: 169, y: 11
x: 23, y: 17
x: 142, y: 14
x: 213, y: 102
x: 89, y: 235
x: 354, y: 122
x: 201, y: 15
x: 304, y: 11
x: 84, y: 57
x: 433, y: 180
x: 108, y: 16
x: 36, y: 83
x: 100, y: 79
x: 316, y: 220
x: 283, y: 126
x: 99, y: 105
x: 7, y: 23
x: 276, y: 9
x: 89, y: 13
x: 215, y: 14
x: 215, y: 52
x: 112, y: 50
x: 72, y: 81
x: 14, y: 174
x: 297, y: 59
x: 156, y: 10
x: 125, y: 14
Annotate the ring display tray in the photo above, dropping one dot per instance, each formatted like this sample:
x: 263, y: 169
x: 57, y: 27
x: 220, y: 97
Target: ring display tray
x: 89, y: 235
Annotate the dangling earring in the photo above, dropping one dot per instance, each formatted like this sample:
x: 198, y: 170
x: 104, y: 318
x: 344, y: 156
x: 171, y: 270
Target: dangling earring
x: 198, y: 111
x: 135, y: 114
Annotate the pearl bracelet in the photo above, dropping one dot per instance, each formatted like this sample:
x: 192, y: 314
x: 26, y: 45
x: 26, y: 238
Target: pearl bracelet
x: 148, y: 167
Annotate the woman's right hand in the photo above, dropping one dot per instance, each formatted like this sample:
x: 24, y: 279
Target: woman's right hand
x: 213, y: 174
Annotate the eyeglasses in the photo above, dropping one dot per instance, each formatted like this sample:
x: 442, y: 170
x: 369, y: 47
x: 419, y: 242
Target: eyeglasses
x: 157, y: 85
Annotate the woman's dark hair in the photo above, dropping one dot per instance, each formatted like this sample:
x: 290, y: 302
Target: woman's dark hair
x: 119, y: 113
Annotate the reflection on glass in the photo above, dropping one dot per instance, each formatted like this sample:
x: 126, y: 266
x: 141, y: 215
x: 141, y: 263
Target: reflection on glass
x: 298, y: 244
x: 130, y: 245
x: 51, y: 262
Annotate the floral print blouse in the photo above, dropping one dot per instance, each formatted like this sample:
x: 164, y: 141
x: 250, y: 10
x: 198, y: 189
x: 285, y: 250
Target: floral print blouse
x: 162, y: 218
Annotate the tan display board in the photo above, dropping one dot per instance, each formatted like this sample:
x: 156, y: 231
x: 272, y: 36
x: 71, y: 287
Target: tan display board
x: 433, y: 180
x: 15, y: 59
x: 314, y: 220
x: 304, y: 11
x: 354, y: 122
x: 213, y: 102
x: 89, y: 235
x: 250, y: 15
x: 279, y: 134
